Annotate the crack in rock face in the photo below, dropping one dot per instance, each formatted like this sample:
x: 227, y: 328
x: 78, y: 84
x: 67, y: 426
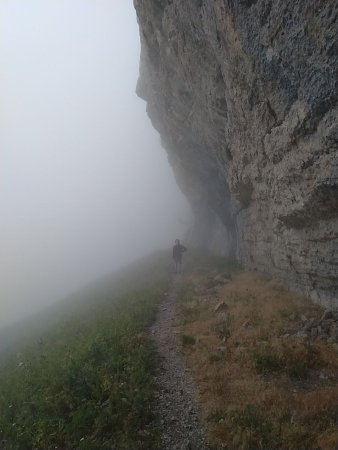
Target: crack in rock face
x: 244, y: 95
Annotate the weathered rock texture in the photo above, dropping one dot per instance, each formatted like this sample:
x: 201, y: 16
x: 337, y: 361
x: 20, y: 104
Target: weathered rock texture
x: 244, y: 94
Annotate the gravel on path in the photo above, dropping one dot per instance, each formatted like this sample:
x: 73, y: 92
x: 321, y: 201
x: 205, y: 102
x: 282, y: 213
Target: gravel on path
x: 176, y: 405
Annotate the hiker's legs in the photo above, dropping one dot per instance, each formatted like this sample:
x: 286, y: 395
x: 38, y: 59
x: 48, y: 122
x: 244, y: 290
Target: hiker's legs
x: 178, y: 265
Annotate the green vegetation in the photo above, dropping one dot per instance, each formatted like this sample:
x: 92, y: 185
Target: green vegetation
x: 252, y: 427
x: 186, y: 293
x: 223, y: 326
x: 254, y: 430
x: 87, y: 382
x: 216, y: 357
x: 202, y: 262
x: 296, y: 360
x: 266, y: 361
x: 187, y: 340
x: 216, y: 416
x: 186, y: 304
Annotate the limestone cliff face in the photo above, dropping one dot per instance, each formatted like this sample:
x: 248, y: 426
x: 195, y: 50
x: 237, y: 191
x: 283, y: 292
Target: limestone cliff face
x: 244, y: 94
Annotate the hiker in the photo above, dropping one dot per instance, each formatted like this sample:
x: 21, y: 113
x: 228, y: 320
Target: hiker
x: 178, y: 251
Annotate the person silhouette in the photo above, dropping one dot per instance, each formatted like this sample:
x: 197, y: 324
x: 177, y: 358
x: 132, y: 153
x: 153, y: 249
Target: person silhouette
x: 178, y: 250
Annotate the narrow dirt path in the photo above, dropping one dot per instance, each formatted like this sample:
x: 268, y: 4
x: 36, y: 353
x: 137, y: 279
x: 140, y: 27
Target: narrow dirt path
x: 176, y: 406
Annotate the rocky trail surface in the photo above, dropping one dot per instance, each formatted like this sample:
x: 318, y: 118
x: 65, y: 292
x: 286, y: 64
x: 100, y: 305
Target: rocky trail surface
x: 176, y: 405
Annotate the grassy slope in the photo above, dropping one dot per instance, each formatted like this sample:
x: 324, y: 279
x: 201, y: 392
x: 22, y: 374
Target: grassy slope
x: 86, y: 381
x: 258, y: 390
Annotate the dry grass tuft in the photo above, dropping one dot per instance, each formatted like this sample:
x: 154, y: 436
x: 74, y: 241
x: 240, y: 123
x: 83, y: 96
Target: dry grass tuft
x: 259, y: 389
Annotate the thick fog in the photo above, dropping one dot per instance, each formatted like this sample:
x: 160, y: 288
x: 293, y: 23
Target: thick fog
x: 84, y: 185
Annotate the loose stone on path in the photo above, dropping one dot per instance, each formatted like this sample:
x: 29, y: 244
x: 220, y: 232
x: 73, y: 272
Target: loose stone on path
x: 176, y: 406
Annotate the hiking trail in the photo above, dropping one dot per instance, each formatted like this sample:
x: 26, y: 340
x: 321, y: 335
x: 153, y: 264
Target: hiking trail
x: 175, y: 406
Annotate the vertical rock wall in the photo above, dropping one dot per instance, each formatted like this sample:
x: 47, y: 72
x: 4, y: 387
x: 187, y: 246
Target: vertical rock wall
x: 244, y: 94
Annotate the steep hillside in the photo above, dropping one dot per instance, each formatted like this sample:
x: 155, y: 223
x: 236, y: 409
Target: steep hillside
x: 244, y: 95
x: 264, y: 361
x: 84, y: 378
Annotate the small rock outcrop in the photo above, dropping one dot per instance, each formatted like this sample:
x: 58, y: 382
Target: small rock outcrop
x: 315, y: 328
x: 244, y: 94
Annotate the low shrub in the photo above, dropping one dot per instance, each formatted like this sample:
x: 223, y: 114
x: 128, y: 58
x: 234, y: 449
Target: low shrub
x: 187, y: 340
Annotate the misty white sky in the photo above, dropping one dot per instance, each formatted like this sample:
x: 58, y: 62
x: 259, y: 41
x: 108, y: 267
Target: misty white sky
x: 84, y: 184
